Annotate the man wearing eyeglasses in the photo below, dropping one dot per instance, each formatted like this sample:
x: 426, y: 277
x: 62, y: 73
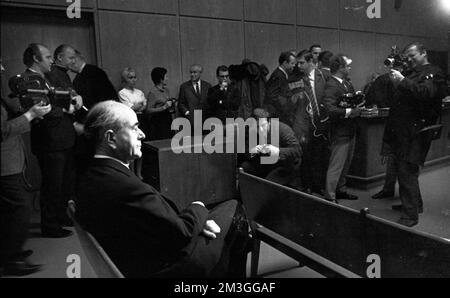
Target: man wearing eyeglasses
x: 222, y: 100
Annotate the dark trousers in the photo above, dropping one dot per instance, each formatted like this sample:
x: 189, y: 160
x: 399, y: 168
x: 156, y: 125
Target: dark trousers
x: 276, y: 173
x: 58, y: 180
x: 391, y: 174
x: 408, y: 179
x: 313, y: 171
x: 15, y: 209
x: 225, y: 256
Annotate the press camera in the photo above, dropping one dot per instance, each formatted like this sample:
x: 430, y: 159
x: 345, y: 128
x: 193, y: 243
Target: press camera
x: 396, y: 60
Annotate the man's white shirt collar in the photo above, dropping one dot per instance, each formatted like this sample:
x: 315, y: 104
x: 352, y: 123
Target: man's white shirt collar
x: 285, y: 73
x: 339, y: 79
x: 99, y: 156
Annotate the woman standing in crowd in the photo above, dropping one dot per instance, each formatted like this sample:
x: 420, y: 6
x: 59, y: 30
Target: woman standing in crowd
x: 160, y: 107
x: 135, y: 99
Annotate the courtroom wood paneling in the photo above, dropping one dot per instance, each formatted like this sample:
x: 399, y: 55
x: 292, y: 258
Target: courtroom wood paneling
x: 353, y: 16
x: 188, y: 177
x: 230, y: 9
x: 360, y: 47
x: 210, y: 43
x: 265, y: 42
x: 280, y: 11
x: 327, y: 38
x: 22, y: 26
x: 428, y: 18
x: 156, y: 6
x: 320, y: 13
x: 84, y: 3
x: 141, y: 42
x: 395, y: 21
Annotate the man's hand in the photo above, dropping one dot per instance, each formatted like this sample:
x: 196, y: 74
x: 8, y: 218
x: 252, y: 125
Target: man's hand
x: 79, y: 128
x: 356, y: 112
x: 257, y: 149
x: 274, y: 151
x: 78, y: 102
x: 211, y: 229
x: 38, y: 111
x: 396, y: 76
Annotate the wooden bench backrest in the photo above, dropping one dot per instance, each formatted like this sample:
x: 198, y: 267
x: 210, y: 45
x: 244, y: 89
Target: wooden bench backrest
x: 99, y: 260
x: 343, y: 235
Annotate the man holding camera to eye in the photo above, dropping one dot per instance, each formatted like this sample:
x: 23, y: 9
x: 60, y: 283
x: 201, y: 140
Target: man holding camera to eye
x: 416, y: 108
x: 343, y: 128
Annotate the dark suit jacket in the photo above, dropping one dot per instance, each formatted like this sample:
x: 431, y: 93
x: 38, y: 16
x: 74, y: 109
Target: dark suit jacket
x: 340, y: 126
x: 12, y: 145
x: 55, y: 132
x: 224, y: 104
x: 417, y: 103
x: 58, y: 77
x: 94, y: 86
x: 302, y: 124
x: 189, y: 100
x: 381, y: 92
x: 278, y: 97
x: 141, y: 231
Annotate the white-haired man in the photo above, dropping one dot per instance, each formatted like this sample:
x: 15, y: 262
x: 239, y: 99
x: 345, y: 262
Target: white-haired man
x: 144, y: 233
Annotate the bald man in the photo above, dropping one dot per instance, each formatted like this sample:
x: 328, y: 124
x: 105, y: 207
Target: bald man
x: 143, y: 232
x: 193, y: 94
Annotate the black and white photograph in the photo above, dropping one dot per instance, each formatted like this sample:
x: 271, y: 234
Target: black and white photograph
x: 225, y: 147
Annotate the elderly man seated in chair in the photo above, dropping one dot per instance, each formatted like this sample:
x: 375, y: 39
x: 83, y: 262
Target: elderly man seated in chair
x: 144, y: 233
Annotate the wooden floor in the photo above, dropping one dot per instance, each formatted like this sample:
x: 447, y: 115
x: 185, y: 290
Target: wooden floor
x: 435, y: 187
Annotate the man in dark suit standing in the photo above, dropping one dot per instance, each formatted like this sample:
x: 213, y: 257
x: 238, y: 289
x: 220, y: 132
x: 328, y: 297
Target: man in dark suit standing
x: 91, y: 82
x: 343, y: 128
x: 278, y: 94
x: 63, y: 58
x: 144, y: 233
x: 193, y: 95
x: 315, y: 134
x: 416, y: 108
x: 15, y: 197
x: 223, y: 99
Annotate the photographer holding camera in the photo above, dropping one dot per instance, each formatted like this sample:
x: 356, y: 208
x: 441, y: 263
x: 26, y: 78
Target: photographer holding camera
x: 160, y: 108
x: 15, y: 196
x: 416, y: 107
x: 343, y: 127
x: 381, y: 94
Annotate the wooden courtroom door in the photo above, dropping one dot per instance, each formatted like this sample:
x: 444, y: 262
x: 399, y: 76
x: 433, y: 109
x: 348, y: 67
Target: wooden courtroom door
x: 21, y: 26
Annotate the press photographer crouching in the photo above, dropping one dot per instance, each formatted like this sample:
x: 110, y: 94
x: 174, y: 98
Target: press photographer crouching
x: 410, y: 129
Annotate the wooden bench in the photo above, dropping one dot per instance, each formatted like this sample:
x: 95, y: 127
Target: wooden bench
x: 99, y: 260
x: 337, y: 241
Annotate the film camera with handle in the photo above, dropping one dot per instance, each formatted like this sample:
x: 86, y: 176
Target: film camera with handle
x: 33, y: 89
x: 396, y: 60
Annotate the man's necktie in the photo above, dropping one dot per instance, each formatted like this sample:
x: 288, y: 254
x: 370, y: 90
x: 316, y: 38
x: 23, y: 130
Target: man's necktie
x: 197, y: 90
x: 313, y: 101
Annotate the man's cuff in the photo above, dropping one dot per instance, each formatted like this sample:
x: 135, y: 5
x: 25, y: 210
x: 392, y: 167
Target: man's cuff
x: 198, y: 203
x: 347, y: 113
